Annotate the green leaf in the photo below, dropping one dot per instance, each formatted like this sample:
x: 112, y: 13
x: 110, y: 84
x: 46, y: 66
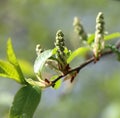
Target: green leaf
x: 13, y: 60
x: 78, y: 52
x: 114, y: 49
x: 91, y: 39
x: 107, y: 37
x: 67, y: 52
x: 27, y: 67
x: 7, y: 70
x: 112, y: 36
x: 41, y: 59
x: 35, y: 83
x: 58, y: 83
x: 10, y: 53
x: 25, y: 102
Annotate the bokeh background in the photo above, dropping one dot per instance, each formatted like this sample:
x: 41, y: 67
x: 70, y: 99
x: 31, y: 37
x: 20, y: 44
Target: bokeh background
x: 96, y: 90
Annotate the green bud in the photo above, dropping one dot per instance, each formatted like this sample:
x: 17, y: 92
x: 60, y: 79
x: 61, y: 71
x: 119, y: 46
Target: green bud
x: 99, y: 35
x: 62, y: 52
x: 59, y: 44
x: 78, y: 28
x: 39, y: 50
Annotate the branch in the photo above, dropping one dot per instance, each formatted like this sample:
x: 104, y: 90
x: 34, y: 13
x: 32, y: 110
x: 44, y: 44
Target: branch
x: 77, y: 69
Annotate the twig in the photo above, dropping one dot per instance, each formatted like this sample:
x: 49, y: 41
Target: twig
x: 77, y: 69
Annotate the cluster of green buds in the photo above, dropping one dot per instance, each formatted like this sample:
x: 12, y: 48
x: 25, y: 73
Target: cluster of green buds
x: 78, y: 28
x: 99, y: 36
x: 61, y: 55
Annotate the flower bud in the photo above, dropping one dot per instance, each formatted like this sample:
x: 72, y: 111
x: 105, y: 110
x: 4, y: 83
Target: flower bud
x: 99, y: 36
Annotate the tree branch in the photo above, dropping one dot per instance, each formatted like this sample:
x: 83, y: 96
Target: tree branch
x: 77, y: 69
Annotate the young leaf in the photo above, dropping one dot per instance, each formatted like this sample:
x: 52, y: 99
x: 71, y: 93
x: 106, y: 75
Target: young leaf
x: 10, y: 53
x: 114, y: 49
x: 25, y: 102
x: 36, y: 83
x: 13, y: 60
x: 91, y: 39
x: 7, y: 70
x: 78, y: 52
x: 58, y: 83
x: 41, y: 59
x: 106, y: 37
x: 27, y: 67
x: 112, y: 36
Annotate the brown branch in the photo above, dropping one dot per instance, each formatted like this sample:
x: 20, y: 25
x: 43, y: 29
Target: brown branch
x: 77, y: 69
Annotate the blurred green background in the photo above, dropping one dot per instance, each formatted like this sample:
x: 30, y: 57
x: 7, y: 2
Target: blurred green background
x: 96, y: 90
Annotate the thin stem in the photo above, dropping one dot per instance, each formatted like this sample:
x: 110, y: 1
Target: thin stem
x: 77, y: 69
